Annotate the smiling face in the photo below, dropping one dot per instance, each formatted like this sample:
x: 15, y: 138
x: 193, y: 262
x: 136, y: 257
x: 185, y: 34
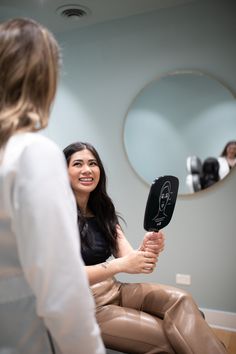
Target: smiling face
x: 84, y: 172
x: 231, y: 151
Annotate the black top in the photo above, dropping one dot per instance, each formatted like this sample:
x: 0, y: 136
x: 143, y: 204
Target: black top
x: 99, y: 250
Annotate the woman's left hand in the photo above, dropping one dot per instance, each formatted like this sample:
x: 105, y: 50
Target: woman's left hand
x: 153, y: 242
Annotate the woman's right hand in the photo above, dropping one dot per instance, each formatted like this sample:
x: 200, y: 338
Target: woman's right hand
x: 153, y: 242
x: 137, y: 262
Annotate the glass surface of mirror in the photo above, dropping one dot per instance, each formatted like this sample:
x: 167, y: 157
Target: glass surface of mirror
x: 179, y: 115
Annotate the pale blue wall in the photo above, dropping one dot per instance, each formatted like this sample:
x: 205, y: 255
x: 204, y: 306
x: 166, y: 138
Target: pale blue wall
x: 105, y: 66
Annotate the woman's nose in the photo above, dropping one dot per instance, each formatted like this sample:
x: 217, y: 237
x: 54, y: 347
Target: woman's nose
x: 86, y: 169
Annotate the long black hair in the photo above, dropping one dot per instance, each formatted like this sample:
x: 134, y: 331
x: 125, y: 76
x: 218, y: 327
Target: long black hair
x: 99, y: 202
x: 210, y: 172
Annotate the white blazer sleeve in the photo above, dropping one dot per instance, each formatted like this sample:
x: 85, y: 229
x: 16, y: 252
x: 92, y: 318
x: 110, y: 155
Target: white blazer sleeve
x: 49, y: 249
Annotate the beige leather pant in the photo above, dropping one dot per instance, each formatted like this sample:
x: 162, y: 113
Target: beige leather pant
x: 152, y: 318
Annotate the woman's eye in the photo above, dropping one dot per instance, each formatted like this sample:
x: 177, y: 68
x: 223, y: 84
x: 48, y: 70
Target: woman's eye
x: 94, y: 163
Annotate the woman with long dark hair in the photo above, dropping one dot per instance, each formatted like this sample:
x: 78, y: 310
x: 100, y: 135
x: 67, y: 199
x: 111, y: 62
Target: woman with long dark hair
x: 227, y: 159
x: 133, y: 317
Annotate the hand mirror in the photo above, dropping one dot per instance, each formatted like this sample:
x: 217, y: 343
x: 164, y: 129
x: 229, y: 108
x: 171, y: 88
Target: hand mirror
x: 160, y: 203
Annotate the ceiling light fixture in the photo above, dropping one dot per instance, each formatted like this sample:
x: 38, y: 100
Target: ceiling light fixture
x: 73, y: 12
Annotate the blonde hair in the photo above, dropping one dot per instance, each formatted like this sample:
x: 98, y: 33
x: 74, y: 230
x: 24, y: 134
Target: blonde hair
x: 29, y: 62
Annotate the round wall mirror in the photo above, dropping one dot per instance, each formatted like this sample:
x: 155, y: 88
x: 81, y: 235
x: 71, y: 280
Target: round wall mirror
x: 179, y: 115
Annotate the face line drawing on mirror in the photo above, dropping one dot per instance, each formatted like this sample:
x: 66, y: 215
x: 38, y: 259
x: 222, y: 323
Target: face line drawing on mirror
x: 177, y: 115
x: 164, y: 198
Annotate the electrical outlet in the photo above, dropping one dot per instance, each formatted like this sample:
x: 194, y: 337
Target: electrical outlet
x: 184, y: 279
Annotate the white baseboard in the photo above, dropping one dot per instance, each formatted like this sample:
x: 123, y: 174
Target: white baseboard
x: 221, y: 319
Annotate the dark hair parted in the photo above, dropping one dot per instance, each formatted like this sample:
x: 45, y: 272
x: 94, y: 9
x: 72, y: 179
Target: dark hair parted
x: 99, y: 202
x: 224, y: 152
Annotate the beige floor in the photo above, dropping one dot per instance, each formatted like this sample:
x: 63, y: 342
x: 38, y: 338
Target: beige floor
x: 228, y: 338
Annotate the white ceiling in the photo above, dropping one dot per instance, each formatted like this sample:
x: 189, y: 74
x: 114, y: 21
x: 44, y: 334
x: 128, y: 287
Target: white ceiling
x: 45, y: 11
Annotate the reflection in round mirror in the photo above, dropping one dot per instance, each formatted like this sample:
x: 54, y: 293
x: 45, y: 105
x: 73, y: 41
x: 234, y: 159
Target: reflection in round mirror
x: 182, y: 114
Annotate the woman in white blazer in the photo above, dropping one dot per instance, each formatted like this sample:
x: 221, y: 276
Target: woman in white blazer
x: 227, y: 159
x: 45, y: 302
